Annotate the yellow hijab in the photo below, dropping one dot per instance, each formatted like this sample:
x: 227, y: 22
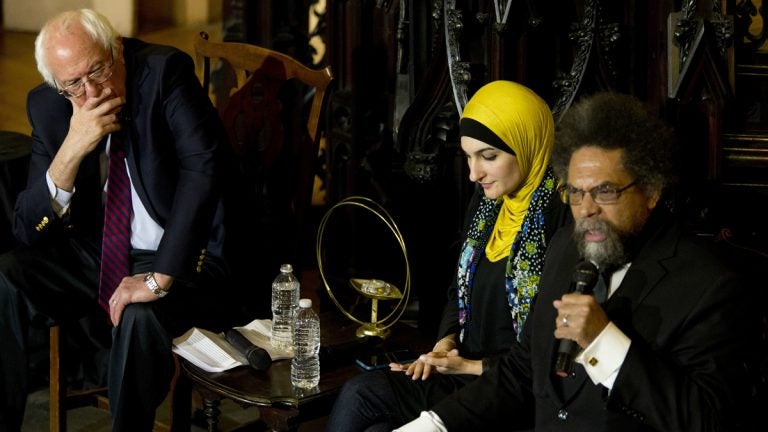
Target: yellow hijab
x: 524, y: 122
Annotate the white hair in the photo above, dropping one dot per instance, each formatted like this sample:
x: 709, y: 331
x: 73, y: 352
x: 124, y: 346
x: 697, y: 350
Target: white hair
x: 96, y: 25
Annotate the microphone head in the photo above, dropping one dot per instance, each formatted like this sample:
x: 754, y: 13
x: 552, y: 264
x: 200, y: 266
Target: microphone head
x: 259, y: 358
x: 585, y: 274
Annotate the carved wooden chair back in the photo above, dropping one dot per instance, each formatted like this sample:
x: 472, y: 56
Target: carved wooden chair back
x: 271, y: 106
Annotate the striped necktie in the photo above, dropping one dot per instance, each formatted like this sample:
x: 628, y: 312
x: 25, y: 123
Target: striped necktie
x: 116, y: 241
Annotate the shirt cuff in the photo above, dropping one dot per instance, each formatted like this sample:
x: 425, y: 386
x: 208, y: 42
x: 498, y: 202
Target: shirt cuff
x: 60, y: 199
x: 428, y: 421
x: 603, y: 358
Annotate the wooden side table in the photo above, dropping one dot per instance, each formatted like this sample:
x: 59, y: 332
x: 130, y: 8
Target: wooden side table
x: 282, y: 407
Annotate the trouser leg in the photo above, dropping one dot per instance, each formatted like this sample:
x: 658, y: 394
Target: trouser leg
x: 141, y: 368
x: 366, y: 403
x: 141, y: 362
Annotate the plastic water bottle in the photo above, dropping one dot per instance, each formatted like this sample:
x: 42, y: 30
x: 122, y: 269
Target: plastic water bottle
x: 285, y: 302
x: 305, y: 366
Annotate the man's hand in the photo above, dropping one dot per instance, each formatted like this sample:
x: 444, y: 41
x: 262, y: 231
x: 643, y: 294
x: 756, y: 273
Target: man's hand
x: 97, y: 117
x: 579, y: 318
x: 132, y: 289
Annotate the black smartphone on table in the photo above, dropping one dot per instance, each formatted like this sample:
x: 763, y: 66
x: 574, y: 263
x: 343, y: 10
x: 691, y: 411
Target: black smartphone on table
x: 382, y: 360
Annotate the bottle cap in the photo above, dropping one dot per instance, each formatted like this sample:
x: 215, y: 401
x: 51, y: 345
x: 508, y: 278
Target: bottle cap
x: 286, y: 268
x: 305, y: 303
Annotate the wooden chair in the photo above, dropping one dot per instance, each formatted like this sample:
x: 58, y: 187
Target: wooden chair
x: 60, y: 400
x: 271, y: 106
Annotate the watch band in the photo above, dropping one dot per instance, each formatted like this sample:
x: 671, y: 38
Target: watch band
x: 151, y: 283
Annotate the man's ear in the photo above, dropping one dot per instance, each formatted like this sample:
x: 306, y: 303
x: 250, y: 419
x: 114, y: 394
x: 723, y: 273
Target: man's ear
x: 119, y: 48
x: 654, y: 194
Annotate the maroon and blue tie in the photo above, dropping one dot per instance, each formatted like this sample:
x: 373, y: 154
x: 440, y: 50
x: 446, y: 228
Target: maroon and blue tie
x: 116, y: 241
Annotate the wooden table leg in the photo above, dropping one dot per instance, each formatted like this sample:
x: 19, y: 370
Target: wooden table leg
x: 212, y: 411
x: 280, y: 419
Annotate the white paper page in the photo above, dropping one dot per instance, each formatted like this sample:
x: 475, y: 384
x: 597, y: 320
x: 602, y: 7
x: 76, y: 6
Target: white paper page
x: 207, y: 350
x: 212, y: 353
x: 259, y: 333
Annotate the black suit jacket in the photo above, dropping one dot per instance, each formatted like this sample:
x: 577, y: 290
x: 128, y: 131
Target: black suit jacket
x: 173, y: 139
x: 689, y: 320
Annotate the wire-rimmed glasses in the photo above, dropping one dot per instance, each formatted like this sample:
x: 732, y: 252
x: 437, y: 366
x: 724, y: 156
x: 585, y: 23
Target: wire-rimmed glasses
x: 601, y: 194
x: 96, y: 77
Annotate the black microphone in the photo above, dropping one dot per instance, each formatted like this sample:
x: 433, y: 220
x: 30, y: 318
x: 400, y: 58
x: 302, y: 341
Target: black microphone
x: 584, y: 279
x: 258, y: 358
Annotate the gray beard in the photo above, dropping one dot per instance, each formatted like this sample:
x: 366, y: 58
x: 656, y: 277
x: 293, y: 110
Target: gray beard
x: 606, y: 254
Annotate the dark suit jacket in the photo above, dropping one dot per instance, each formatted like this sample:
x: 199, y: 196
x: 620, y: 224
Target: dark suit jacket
x: 689, y: 321
x: 172, y: 137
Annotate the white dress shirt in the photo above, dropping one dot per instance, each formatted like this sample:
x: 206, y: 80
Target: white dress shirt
x: 145, y: 232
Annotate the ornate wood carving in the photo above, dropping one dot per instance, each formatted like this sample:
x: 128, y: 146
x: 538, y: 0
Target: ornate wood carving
x: 459, y: 71
x: 582, y: 36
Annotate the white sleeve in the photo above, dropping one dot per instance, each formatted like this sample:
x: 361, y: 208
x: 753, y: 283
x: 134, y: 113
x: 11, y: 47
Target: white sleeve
x: 603, y: 358
x: 60, y: 199
x: 428, y: 421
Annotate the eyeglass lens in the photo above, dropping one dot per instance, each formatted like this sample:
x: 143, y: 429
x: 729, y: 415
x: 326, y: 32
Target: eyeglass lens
x: 603, y: 194
x: 97, y: 77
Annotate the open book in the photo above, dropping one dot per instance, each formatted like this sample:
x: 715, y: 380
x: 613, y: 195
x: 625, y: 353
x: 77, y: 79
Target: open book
x: 212, y: 353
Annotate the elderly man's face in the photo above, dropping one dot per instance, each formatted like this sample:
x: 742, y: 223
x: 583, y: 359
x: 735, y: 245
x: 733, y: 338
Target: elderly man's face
x: 84, y: 68
x: 602, y: 231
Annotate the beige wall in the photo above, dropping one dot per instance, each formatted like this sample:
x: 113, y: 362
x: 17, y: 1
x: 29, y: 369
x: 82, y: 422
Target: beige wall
x: 188, y: 12
x: 30, y: 15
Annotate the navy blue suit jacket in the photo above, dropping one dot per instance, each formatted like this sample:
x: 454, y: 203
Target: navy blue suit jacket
x: 173, y: 139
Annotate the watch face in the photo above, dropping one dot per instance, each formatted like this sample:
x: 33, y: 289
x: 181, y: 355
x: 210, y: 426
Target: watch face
x: 151, y: 283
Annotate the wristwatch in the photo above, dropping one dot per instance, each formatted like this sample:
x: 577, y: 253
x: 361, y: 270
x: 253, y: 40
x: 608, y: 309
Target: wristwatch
x: 151, y: 283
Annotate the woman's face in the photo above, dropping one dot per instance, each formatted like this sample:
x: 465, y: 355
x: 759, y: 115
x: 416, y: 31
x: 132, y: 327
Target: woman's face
x: 495, y: 170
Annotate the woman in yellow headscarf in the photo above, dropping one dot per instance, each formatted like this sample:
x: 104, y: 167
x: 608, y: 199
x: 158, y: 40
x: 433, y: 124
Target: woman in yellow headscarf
x: 507, y: 134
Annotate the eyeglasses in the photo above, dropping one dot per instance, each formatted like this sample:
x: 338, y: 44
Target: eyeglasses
x: 97, y: 77
x: 602, y: 194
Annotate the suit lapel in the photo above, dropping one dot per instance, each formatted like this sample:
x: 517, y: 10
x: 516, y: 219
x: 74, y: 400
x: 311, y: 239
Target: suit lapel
x: 646, y: 271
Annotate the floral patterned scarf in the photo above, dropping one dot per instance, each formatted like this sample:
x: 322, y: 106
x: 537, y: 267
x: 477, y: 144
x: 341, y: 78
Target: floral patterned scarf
x: 525, y: 261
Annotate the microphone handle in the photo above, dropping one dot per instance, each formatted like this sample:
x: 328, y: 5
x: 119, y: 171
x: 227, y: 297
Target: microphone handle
x: 564, y: 360
x: 567, y: 348
x: 258, y: 358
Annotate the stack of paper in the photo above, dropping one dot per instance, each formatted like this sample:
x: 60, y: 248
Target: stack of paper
x: 211, y: 351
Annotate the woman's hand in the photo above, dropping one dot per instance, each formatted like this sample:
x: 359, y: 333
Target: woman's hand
x: 416, y: 370
x: 448, y: 363
x: 420, y: 370
x: 451, y: 363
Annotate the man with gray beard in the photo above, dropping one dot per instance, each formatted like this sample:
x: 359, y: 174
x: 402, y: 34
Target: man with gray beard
x: 667, y: 349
